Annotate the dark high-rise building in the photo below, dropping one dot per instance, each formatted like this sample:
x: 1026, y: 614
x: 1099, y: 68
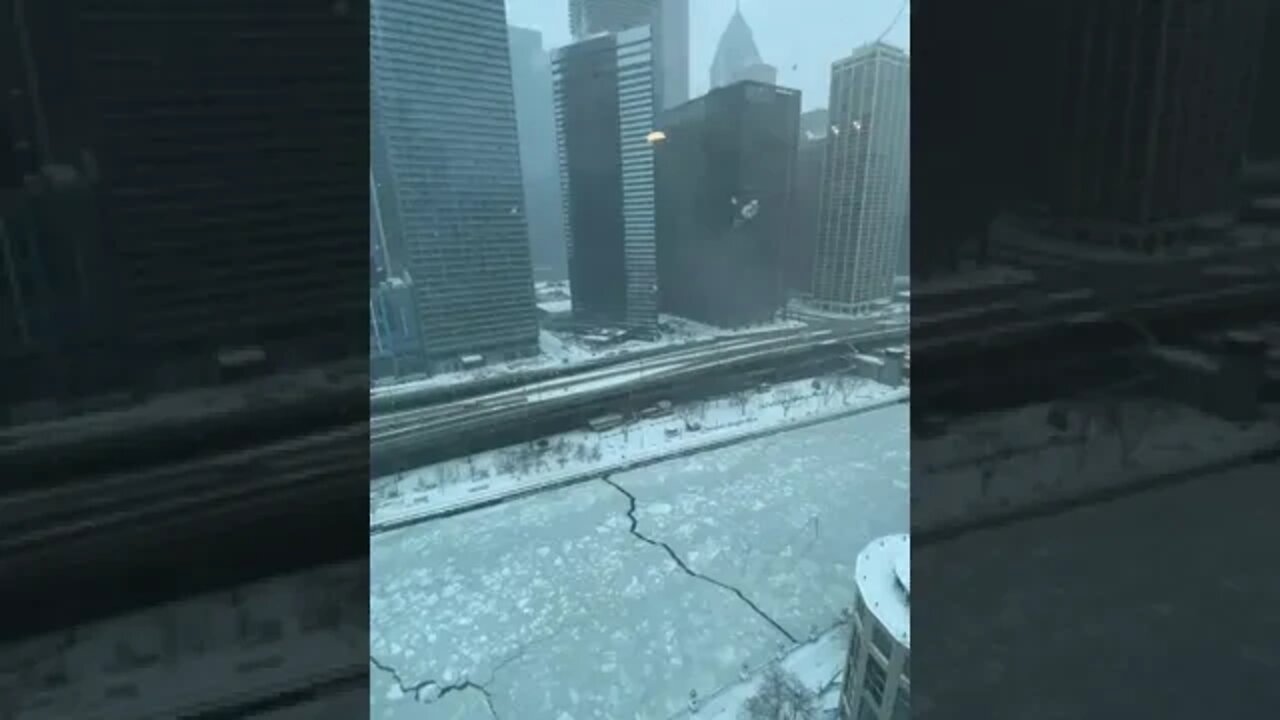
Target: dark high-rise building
x: 604, y: 115
x: 446, y: 112
x: 1143, y: 119
x: 797, y: 251
x: 725, y: 173
x: 668, y: 21
x: 862, y: 211
x: 1264, y: 131
x: 118, y: 257
x: 535, y: 117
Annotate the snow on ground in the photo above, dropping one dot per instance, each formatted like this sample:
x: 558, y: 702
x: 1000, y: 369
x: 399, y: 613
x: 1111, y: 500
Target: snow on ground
x: 817, y: 664
x: 560, y: 349
x: 511, y: 469
x: 556, y: 307
x: 561, y: 612
x: 1011, y: 460
x: 554, y: 351
x: 164, y: 662
x: 1172, y: 583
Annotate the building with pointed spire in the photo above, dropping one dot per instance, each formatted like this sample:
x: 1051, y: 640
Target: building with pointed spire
x: 737, y: 57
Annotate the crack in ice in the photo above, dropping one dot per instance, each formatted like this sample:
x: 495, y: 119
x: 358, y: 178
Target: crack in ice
x: 413, y: 690
x: 631, y: 514
x: 416, y: 690
x: 469, y: 685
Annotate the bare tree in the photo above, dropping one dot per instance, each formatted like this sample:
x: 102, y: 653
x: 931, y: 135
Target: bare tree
x: 562, y: 452
x: 846, y: 388
x: 788, y: 396
x: 1132, y: 426
x: 689, y: 413
x: 781, y: 696
x: 507, y: 463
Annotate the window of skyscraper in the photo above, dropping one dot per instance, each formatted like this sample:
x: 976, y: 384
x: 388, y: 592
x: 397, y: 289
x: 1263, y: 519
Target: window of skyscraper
x: 874, y: 679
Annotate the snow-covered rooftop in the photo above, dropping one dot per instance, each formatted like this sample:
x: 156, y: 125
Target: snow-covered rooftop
x: 879, y: 569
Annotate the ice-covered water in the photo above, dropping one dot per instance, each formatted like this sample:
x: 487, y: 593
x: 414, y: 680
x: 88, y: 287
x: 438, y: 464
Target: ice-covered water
x: 552, y: 607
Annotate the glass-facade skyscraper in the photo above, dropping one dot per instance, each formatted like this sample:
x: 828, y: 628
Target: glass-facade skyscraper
x: 442, y: 101
x: 605, y: 110
x: 535, y: 116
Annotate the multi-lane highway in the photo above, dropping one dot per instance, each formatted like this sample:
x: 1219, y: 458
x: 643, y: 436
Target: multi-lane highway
x: 409, y: 438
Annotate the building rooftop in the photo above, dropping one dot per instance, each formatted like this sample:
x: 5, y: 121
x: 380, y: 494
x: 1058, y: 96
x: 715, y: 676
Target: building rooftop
x: 884, y: 583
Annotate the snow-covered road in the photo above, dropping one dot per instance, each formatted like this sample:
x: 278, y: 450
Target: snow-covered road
x: 557, y: 606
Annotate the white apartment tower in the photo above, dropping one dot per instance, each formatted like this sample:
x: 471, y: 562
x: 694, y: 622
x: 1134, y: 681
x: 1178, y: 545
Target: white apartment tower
x: 863, y: 194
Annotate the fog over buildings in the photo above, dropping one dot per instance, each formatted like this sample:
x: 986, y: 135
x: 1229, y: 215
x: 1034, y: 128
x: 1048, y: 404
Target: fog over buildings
x: 801, y: 40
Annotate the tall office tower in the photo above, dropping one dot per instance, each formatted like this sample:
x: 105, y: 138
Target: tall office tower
x: 140, y: 264
x: 1264, y: 130
x: 669, y: 25
x: 724, y: 203
x: 737, y: 57
x: 604, y: 114
x: 877, y: 676
x: 797, y: 253
x: 447, y: 114
x: 862, y: 205
x: 535, y: 117
x: 1143, y: 111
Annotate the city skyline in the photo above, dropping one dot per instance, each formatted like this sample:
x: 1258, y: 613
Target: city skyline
x: 830, y: 29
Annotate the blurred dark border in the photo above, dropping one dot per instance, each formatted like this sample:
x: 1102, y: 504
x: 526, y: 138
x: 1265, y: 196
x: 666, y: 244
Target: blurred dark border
x: 184, y: 322
x: 1051, y: 586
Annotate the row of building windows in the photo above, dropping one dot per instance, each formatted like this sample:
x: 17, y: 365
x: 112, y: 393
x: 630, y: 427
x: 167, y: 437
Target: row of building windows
x: 868, y: 689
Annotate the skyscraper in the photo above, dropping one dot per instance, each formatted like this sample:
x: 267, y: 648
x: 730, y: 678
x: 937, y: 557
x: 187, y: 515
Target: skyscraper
x: 1141, y: 149
x: 737, y: 57
x: 1264, y: 136
x: 446, y: 111
x: 604, y: 113
x: 669, y: 27
x: 862, y: 206
x: 724, y: 175
x: 797, y: 253
x: 535, y: 118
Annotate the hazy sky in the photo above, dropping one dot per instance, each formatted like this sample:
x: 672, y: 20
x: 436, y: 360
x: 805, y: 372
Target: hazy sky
x: 807, y: 35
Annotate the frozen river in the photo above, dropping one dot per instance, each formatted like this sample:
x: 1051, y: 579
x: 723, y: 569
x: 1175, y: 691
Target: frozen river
x: 554, y: 607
